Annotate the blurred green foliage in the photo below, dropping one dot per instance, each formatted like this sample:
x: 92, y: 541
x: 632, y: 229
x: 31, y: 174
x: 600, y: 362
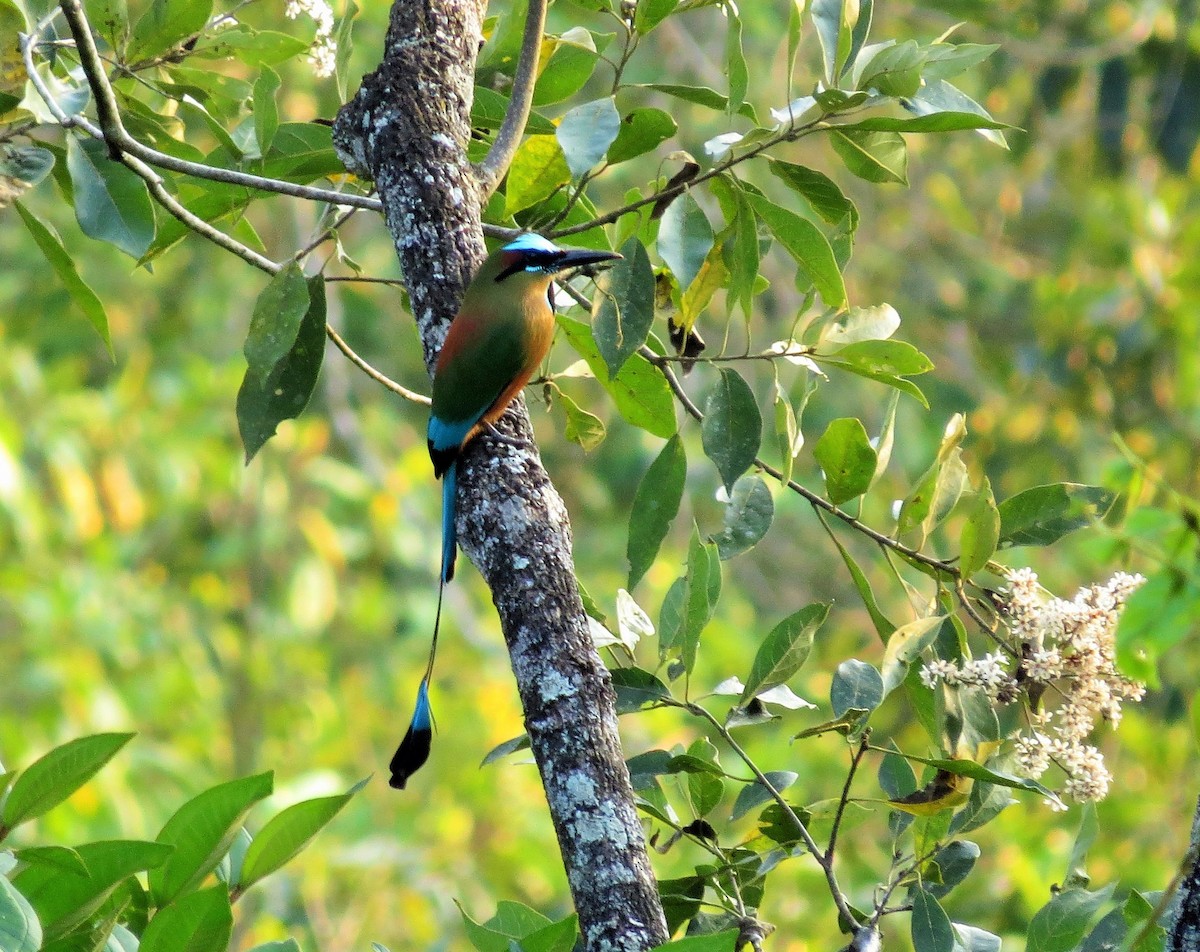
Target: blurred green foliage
x: 272, y: 617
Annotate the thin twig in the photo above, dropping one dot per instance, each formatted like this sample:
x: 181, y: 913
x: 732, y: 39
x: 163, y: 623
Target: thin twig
x: 825, y: 861
x: 814, y: 499
x: 495, y: 164
x: 863, y: 746
x: 791, y: 134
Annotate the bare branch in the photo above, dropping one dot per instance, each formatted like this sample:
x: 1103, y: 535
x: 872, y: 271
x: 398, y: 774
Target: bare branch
x: 495, y: 164
x: 114, y: 134
x: 158, y: 191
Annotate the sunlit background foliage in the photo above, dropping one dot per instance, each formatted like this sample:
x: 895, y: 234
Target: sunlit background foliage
x: 274, y: 616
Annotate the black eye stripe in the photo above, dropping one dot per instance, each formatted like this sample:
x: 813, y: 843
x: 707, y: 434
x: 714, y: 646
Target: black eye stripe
x: 535, y: 261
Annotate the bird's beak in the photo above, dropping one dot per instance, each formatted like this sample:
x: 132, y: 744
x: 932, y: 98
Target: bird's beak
x: 583, y: 257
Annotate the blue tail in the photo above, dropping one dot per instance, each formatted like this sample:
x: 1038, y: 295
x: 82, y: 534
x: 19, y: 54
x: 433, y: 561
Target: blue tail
x: 449, y: 533
x: 413, y: 751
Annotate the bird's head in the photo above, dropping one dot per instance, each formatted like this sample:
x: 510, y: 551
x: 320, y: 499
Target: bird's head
x: 530, y: 253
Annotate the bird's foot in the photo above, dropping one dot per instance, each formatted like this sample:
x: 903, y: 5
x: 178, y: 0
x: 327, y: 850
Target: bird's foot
x: 514, y: 441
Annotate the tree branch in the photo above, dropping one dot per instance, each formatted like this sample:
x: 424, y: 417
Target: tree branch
x: 495, y: 164
x: 114, y: 134
x: 157, y: 189
x: 407, y: 128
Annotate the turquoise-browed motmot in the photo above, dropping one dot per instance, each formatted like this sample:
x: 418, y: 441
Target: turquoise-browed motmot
x: 495, y: 344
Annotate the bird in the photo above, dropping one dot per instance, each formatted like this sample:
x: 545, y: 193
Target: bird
x: 496, y: 342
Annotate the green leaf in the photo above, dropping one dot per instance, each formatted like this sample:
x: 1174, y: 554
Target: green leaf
x: 805, y: 242
x: 635, y: 688
x: 968, y: 768
x: 954, y: 861
x: 288, y: 832
x: 882, y: 356
x: 856, y: 686
x: 828, y: 17
x: 701, y: 591
x: 873, y: 156
x: 702, y: 96
x: 29, y: 164
x: 980, y: 532
x: 278, y: 312
x: 82, y: 294
x: 1060, y: 924
x: 938, y: 98
x: 819, y: 190
x: 713, y: 942
x: 944, y: 60
x: 748, y: 516
x: 1089, y: 827
x: 878, y: 322
x: 54, y: 776
x: 684, y: 239
x: 655, y: 506
x: 650, y: 13
x: 266, y: 112
x: 538, y: 170
x: 788, y: 438
x: 987, y: 802
x: 489, y: 108
x: 63, y: 857
x: 904, y: 644
x: 110, y: 18
x: 732, y: 427
x: 860, y: 32
x: 20, y: 930
x: 250, y: 46
x: 847, y: 458
x: 740, y: 240
x: 642, y: 130
x: 199, y: 922
x: 623, y: 308
x: 883, y: 626
x: 705, y: 787
x: 931, y: 930
x: 265, y: 402
x: 735, y: 60
x: 165, y: 25
x: 585, y: 133
x: 894, y: 70
x: 949, y: 478
x: 202, y: 830
x: 784, y: 650
x: 755, y: 794
x: 571, y: 64
x: 934, y: 122
x: 641, y: 394
x: 887, y: 361
x: 583, y: 427
x: 63, y: 900
x: 279, y: 945
x: 507, y: 929
x: 1044, y: 514
x: 111, y: 202
x: 559, y: 936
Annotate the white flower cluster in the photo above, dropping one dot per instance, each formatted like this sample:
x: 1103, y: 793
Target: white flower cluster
x: 1067, y: 651
x: 323, y: 53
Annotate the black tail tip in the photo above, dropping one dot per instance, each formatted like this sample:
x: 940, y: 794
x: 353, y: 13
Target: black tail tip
x: 410, y: 756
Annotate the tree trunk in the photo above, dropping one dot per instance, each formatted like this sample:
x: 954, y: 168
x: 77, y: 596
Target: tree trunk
x: 407, y: 129
x: 1183, y: 922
